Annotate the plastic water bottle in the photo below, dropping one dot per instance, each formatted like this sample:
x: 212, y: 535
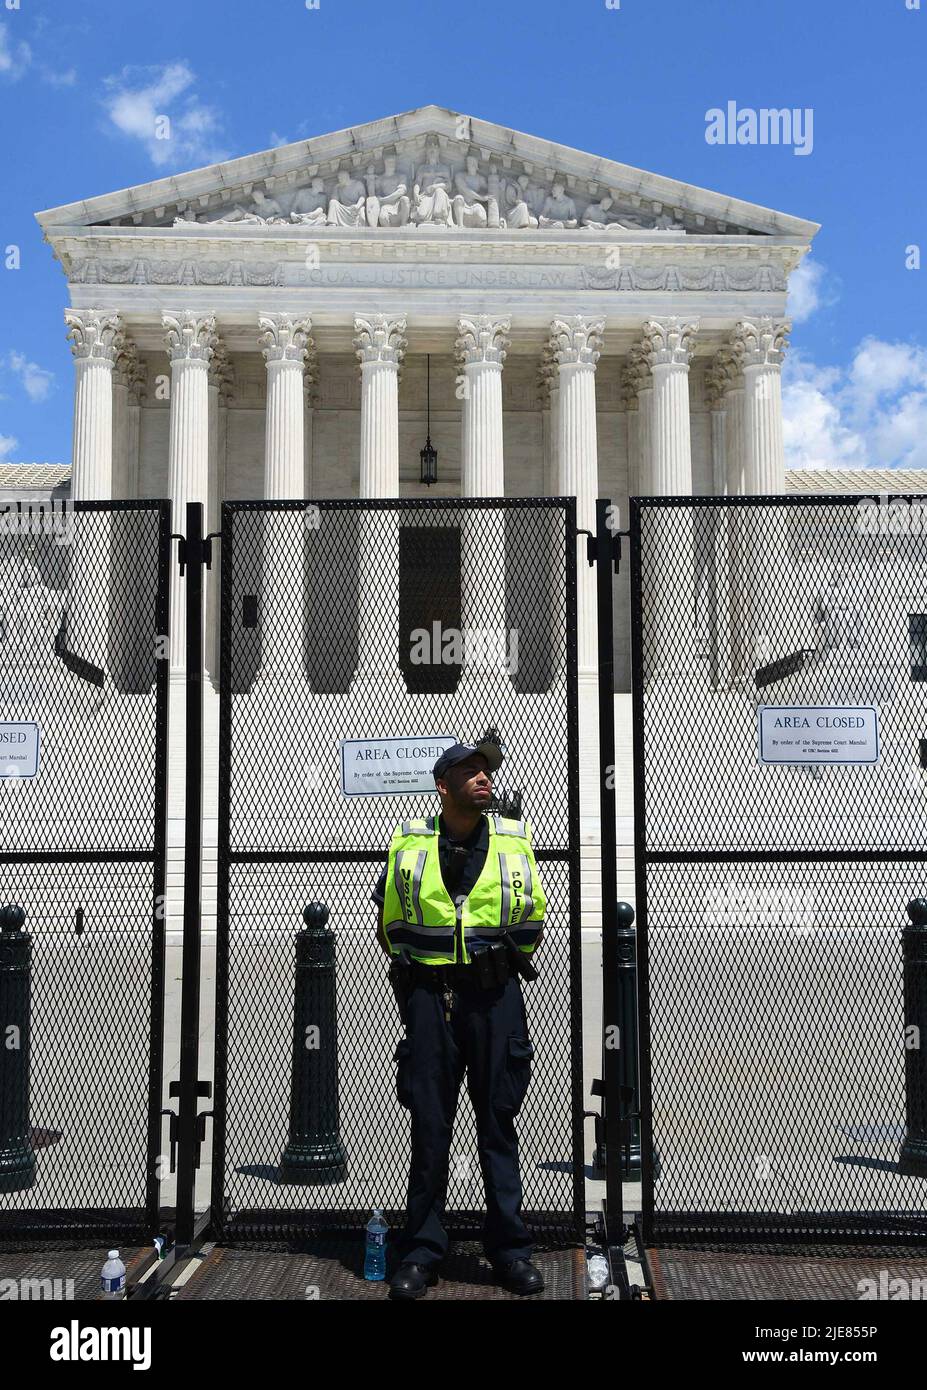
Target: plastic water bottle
x: 597, y: 1266
x: 375, y: 1253
x: 113, y: 1276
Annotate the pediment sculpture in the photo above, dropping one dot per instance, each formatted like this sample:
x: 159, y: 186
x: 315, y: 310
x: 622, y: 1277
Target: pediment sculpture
x: 436, y: 191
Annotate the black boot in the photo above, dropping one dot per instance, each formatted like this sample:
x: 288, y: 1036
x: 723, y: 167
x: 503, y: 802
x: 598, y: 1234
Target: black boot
x: 519, y: 1276
x: 411, y: 1281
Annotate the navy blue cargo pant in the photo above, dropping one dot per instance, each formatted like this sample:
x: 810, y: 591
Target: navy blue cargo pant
x: 487, y: 1037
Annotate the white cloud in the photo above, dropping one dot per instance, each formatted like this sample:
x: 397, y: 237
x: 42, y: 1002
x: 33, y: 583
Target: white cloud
x: 7, y: 444
x: 15, y: 54
x: 871, y: 414
x: 37, y: 382
x: 159, y: 106
x: 811, y: 287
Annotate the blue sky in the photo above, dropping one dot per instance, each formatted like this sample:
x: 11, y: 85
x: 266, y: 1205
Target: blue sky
x: 80, y: 82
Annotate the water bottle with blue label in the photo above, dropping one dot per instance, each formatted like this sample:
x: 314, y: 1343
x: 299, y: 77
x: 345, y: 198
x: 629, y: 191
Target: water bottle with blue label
x: 375, y: 1253
x: 113, y: 1276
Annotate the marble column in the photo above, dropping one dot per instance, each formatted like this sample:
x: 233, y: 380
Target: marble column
x: 133, y: 547
x: 737, y: 660
x: 635, y: 375
x: 576, y: 345
x: 126, y: 377
x: 549, y: 394
x: 310, y: 400
x: 96, y: 340
x: 716, y: 609
x: 191, y: 339
x: 480, y: 349
x: 668, y: 343
x: 380, y: 346
x: 773, y: 625
x: 285, y: 343
x: 669, y: 555
x: 220, y: 379
x: 761, y: 345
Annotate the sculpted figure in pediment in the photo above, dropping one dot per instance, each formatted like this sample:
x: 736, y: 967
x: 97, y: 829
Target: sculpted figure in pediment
x: 471, y: 201
x: 348, y: 208
x: 559, y: 209
x: 431, y: 199
x: 310, y: 205
x: 388, y: 201
x: 265, y: 210
x: 601, y: 215
x: 523, y: 203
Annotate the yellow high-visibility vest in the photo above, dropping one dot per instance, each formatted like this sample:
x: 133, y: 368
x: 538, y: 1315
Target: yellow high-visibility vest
x: 420, y: 915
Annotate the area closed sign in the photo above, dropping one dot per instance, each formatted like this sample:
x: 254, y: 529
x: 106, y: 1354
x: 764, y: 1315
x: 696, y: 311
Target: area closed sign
x: 818, y: 734
x: 391, y: 766
x: 19, y: 749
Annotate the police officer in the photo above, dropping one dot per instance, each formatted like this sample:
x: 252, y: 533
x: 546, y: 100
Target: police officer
x: 462, y: 909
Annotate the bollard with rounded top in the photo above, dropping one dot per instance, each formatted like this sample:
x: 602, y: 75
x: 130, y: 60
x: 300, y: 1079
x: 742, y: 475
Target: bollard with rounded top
x: 912, y: 1160
x: 314, y: 1152
x: 628, y: 1063
x: 17, y: 1159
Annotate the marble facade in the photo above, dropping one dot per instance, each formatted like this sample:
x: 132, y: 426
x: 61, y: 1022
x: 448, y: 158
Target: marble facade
x: 261, y: 328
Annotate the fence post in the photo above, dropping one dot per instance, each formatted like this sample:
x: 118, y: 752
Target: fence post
x: 606, y: 558
x: 17, y: 1160
x: 314, y: 1152
x: 913, y: 1155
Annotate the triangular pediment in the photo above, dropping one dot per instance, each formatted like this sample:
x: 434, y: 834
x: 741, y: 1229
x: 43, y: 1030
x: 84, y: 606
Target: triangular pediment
x: 427, y: 168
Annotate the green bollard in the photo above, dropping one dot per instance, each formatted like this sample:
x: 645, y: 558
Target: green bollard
x: 314, y: 1152
x: 912, y: 1160
x: 17, y: 1160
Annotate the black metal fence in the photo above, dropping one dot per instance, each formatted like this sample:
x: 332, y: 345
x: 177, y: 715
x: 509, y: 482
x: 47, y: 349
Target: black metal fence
x: 83, y: 753
x: 375, y: 620
x: 779, y: 661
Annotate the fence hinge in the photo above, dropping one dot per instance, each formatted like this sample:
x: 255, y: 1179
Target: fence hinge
x: 185, y: 547
x: 592, y: 547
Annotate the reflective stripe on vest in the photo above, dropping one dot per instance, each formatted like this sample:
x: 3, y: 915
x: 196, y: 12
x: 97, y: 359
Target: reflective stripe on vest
x: 505, y: 826
x: 408, y: 885
x: 517, y: 899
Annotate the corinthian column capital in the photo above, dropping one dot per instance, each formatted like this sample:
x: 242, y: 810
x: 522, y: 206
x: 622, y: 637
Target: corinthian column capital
x: 725, y: 372
x: 190, y: 337
x: 285, y: 339
x: 482, y: 339
x: 635, y: 375
x: 94, y: 334
x: 573, y: 341
x: 128, y: 371
x: 761, y: 342
x: 221, y: 372
x: 668, y: 342
x: 379, y: 338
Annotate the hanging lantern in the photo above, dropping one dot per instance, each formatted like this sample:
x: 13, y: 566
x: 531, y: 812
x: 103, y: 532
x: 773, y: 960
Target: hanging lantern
x: 429, y: 455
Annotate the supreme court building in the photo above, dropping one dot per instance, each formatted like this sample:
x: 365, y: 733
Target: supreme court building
x: 293, y: 323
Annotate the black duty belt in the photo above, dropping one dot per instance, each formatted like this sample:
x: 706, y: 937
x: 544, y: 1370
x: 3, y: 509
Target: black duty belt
x: 473, y: 976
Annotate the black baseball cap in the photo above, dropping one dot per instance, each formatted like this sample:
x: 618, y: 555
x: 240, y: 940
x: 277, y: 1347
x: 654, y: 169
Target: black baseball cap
x: 458, y: 751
